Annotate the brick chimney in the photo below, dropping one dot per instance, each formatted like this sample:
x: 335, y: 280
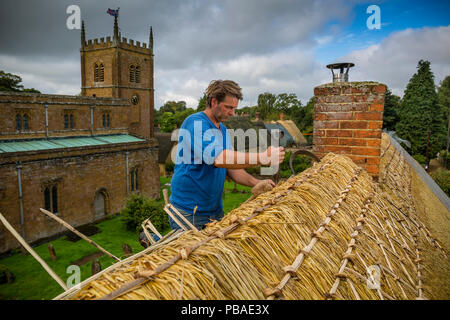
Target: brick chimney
x: 257, y: 116
x: 348, y: 118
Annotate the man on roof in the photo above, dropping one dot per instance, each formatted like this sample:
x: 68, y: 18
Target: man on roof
x: 205, y: 156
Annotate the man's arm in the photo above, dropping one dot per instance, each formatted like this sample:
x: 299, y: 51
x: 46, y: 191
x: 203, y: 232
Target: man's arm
x: 230, y: 159
x: 242, y: 177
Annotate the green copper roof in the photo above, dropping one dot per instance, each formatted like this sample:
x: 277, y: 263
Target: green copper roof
x: 58, y: 143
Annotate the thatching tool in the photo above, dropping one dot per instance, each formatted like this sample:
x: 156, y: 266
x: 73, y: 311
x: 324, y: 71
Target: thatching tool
x: 303, y: 152
x: 78, y: 233
x: 32, y: 252
x: 147, y: 224
x: 169, y: 208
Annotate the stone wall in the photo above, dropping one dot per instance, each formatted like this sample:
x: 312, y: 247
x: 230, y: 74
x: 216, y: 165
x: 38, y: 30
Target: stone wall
x: 79, y: 177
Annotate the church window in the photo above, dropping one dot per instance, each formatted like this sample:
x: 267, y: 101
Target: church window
x: 102, y: 73
x: 18, y: 122
x: 138, y: 74
x: 96, y: 73
x: 132, y: 73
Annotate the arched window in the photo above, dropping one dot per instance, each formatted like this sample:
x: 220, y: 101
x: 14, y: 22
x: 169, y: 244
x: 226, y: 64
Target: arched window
x: 66, y: 121
x: 132, y: 73
x: 18, y: 122
x: 47, y: 199
x: 25, y: 122
x: 55, y: 198
x: 96, y: 73
x: 104, y: 120
x: 101, y: 73
x: 138, y: 74
x: 72, y: 124
x: 108, y: 124
x: 134, y: 179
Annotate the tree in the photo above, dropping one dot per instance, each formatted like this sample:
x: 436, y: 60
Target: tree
x: 391, y: 108
x: 444, y: 102
x: 202, y: 103
x: 421, y: 113
x: 11, y: 82
x: 180, y: 116
x: 444, y: 99
x: 303, y: 117
x: 287, y: 103
x: 173, y: 106
x: 266, y: 104
x: 167, y: 122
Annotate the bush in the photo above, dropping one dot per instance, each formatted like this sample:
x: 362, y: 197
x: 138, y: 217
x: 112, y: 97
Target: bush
x: 169, y: 166
x: 442, y: 155
x: 138, y: 208
x: 420, y: 159
x: 300, y: 164
x: 442, y: 178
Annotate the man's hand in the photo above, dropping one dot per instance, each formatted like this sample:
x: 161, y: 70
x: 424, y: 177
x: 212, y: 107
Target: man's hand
x: 272, y: 156
x: 262, y: 186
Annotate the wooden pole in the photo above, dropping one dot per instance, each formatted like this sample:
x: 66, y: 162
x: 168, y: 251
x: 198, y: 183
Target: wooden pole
x: 32, y: 252
x: 68, y: 226
x: 169, y: 206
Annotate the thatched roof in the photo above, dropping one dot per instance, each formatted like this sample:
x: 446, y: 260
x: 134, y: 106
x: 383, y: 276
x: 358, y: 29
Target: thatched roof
x: 293, y: 130
x: 286, y: 139
x: 312, y: 237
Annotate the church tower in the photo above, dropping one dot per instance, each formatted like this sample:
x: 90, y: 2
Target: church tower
x: 121, y: 69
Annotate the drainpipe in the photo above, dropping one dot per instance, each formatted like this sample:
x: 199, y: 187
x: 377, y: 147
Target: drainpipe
x: 92, y: 120
x: 22, y: 222
x: 46, y: 121
x: 126, y: 154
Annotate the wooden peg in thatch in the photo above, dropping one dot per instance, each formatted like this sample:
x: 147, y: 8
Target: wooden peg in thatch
x: 51, y: 250
x: 272, y: 292
x: 96, y: 267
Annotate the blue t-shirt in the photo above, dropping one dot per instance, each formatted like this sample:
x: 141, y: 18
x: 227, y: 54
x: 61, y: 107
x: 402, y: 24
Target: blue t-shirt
x: 196, y: 181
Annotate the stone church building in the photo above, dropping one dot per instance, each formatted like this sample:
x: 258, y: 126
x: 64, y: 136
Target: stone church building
x: 80, y: 156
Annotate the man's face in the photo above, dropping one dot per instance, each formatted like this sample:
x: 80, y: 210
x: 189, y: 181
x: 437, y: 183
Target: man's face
x: 225, y: 109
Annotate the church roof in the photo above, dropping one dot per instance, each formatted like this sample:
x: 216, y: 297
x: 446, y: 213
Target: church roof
x: 62, y: 143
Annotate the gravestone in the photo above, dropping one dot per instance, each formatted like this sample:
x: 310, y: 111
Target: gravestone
x: 51, y: 250
x: 96, y: 267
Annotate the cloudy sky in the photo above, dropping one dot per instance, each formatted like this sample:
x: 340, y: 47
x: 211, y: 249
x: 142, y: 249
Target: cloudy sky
x: 265, y: 45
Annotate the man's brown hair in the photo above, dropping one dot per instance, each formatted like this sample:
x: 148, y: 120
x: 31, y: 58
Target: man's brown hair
x: 220, y: 88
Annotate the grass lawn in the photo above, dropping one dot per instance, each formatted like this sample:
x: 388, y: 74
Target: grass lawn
x: 33, y: 282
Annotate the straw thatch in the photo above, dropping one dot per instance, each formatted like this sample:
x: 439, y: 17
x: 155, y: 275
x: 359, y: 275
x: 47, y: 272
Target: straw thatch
x: 293, y: 130
x: 313, y: 237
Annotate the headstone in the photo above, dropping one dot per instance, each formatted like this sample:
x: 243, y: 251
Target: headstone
x: 6, y: 276
x: 143, y: 240
x: 51, y: 250
x: 127, y: 251
x: 96, y: 267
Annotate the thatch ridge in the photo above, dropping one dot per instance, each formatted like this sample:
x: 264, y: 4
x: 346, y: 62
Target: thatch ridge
x: 312, y: 237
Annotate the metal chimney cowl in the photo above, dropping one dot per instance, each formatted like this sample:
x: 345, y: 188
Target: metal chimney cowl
x: 341, y: 76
